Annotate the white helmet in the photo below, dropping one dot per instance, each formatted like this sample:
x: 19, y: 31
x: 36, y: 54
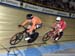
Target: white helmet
x: 58, y: 18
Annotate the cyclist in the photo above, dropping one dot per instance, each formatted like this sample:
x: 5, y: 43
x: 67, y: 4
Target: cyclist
x: 60, y: 26
x: 34, y: 23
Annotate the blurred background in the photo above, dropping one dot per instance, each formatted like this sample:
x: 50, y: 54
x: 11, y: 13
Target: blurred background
x: 62, y: 5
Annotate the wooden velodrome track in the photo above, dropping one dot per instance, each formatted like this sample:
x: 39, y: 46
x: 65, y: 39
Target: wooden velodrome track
x: 11, y: 17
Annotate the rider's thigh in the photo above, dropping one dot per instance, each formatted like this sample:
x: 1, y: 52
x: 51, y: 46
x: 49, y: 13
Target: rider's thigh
x: 61, y: 34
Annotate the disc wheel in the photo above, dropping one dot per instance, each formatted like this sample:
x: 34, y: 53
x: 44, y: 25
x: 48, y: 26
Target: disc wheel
x: 33, y: 37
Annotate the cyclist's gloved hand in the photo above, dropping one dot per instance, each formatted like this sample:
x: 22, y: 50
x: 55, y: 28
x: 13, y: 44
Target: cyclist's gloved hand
x: 19, y: 25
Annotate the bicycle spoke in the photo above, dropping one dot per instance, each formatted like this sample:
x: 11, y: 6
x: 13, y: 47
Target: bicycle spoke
x: 12, y: 42
x: 16, y: 38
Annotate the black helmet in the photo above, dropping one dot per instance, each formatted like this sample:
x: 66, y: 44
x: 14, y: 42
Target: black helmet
x: 29, y: 16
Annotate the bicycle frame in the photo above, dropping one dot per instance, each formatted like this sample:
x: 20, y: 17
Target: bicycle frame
x: 53, y: 33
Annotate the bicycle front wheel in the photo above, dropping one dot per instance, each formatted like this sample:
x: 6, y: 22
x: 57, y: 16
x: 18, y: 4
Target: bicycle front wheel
x: 16, y: 38
x: 46, y: 36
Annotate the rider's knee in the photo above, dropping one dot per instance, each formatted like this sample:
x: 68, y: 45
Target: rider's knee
x: 38, y: 26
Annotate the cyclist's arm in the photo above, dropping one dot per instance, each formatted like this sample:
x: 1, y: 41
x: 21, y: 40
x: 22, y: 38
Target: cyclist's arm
x: 53, y: 25
x: 25, y: 22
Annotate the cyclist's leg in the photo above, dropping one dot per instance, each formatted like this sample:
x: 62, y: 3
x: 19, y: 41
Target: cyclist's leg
x: 36, y: 27
x: 61, y: 34
x: 28, y: 33
x: 33, y: 32
x: 57, y: 37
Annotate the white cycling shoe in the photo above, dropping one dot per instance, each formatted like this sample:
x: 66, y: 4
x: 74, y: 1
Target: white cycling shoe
x: 56, y: 38
x: 28, y: 38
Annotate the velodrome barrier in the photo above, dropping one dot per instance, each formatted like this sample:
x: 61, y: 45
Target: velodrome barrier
x: 45, y: 10
x: 11, y: 2
x: 38, y: 8
x: 73, y: 15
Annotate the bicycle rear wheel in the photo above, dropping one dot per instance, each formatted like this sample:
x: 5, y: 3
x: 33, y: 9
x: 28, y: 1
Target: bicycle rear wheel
x: 16, y: 38
x: 33, y: 37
